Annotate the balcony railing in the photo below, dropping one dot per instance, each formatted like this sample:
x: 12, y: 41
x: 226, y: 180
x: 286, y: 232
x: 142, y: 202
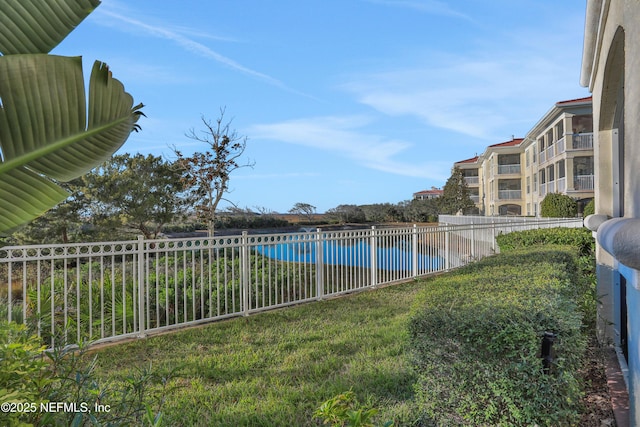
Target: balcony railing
x: 471, y: 180
x: 582, y: 141
x: 550, y: 152
x: 510, y: 194
x: 543, y: 190
x: 508, y: 169
x: 542, y: 157
x: 583, y: 182
x: 475, y: 199
x: 561, y: 144
x: 551, y: 186
x: 562, y: 185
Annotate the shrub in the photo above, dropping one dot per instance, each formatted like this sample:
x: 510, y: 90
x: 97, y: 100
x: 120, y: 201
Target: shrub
x: 31, y: 376
x: 557, y: 205
x: 476, y: 338
x: 590, y: 208
x: 579, y: 238
x: 23, y: 373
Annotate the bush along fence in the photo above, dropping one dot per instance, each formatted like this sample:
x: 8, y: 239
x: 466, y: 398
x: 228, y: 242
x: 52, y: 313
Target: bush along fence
x: 477, y: 337
x: 116, y: 290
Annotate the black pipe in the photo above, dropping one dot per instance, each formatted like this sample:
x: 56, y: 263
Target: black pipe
x: 547, y: 351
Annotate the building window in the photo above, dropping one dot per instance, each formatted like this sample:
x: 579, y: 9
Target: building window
x: 550, y: 173
x: 561, y: 169
x: 560, y: 129
x: 535, y: 182
x: 549, y: 138
x: 528, y: 186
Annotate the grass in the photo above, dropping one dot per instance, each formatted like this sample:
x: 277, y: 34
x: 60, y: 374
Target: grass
x: 276, y: 368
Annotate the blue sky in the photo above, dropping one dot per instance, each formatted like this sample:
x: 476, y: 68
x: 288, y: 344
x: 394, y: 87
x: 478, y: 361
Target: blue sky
x: 342, y: 101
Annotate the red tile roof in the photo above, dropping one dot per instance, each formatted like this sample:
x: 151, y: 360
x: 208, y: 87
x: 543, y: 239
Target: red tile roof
x: 471, y: 160
x: 576, y: 101
x: 438, y: 192
x: 514, y: 142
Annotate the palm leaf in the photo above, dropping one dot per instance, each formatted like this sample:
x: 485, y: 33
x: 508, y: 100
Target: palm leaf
x: 37, y: 26
x: 44, y: 130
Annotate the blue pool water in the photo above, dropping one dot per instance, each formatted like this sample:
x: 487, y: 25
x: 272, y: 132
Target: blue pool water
x: 354, y: 255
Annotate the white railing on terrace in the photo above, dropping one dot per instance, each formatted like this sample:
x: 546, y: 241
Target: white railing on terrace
x: 562, y: 184
x: 509, y: 194
x: 550, y: 152
x: 583, y: 182
x: 582, y: 141
x: 561, y: 145
x: 472, y: 180
x: 114, y: 290
x: 508, y: 169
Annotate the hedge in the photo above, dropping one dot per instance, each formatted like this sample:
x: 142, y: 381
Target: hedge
x: 579, y: 238
x: 476, y: 339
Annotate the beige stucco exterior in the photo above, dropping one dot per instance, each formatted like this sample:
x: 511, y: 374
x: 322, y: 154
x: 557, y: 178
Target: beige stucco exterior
x: 556, y: 156
x: 611, y: 71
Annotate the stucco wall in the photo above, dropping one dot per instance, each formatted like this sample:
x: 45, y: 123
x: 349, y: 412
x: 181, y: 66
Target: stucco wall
x: 611, y: 69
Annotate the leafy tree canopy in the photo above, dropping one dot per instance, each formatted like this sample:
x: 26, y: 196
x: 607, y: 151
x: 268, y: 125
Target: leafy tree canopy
x: 455, y: 195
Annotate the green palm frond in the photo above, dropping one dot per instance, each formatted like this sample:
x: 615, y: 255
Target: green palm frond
x: 37, y: 26
x: 48, y: 130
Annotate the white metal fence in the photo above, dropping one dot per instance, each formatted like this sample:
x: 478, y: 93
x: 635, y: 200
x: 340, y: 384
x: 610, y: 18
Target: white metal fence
x: 114, y: 290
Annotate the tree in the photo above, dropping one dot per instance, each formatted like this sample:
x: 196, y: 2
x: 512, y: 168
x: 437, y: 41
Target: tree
x: 141, y: 193
x: 455, y: 195
x: 347, y: 213
x: 421, y: 210
x: 206, y: 175
x: 557, y: 205
x: 46, y: 135
x: 303, y: 209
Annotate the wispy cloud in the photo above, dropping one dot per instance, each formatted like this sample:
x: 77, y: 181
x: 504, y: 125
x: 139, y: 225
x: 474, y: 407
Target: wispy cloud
x: 485, y: 96
x: 344, y: 137
x: 428, y: 6
x: 197, y: 48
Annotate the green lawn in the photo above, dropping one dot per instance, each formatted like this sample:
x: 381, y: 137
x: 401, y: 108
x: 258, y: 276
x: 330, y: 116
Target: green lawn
x: 276, y: 368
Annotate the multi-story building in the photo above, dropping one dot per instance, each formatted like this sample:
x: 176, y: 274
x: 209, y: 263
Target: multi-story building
x: 434, y: 193
x: 556, y: 156
x: 502, y: 165
x: 472, y: 171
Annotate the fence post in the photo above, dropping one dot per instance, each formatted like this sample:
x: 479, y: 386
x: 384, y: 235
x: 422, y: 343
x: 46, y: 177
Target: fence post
x: 493, y: 236
x: 414, y: 251
x: 141, y: 284
x: 473, y: 242
x: 374, y: 257
x: 319, y: 265
x: 244, y: 273
x: 447, y: 254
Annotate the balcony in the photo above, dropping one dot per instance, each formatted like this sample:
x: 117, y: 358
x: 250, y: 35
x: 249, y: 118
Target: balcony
x: 550, y: 152
x: 562, y: 185
x: 472, y: 180
x: 583, y: 182
x: 582, y: 141
x: 542, y: 157
x: 509, y: 194
x: 508, y: 169
x: 561, y: 144
x: 551, y: 187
